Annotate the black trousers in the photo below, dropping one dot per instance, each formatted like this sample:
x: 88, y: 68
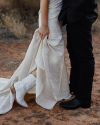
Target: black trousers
x: 79, y: 45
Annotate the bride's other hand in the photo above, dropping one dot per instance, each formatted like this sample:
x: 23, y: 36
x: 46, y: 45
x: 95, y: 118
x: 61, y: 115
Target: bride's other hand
x: 44, y: 30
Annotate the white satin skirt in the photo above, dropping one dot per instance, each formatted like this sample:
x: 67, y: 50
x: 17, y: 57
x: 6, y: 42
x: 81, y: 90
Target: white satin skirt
x: 48, y: 57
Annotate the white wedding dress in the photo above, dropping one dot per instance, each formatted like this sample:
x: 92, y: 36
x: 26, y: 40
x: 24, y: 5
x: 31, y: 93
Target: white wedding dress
x: 48, y: 56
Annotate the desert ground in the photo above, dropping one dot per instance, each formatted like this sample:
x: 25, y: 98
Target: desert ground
x: 12, y: 52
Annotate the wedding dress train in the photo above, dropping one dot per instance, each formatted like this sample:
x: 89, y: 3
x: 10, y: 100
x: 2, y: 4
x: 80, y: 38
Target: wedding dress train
x: 48, y: 57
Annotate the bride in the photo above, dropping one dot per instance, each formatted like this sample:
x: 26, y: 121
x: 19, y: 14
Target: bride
x: 43, y: 70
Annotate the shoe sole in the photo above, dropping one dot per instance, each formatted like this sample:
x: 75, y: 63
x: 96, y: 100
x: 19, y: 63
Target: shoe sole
x: 84, y: 107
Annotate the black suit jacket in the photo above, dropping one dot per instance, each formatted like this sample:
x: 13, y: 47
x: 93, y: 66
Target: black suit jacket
x: 73, y: 10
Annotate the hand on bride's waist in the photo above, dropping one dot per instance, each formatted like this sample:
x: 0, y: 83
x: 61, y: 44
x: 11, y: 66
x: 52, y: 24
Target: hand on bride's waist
x: 44, y: 30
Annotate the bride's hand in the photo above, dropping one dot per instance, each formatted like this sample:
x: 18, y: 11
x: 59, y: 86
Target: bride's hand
x: 44, y: 30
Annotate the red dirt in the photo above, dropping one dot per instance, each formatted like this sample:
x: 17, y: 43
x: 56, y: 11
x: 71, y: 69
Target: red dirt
x: 11, y: 55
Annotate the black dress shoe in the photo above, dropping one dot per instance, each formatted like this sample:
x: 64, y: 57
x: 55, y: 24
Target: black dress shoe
x: 75, y: 103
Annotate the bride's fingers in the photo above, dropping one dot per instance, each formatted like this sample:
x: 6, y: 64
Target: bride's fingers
x: 47, y: 35
x: 40, y: 33
x: 43, y: 37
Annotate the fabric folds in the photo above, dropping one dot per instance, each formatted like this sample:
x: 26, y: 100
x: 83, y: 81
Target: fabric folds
x: 48, y: 57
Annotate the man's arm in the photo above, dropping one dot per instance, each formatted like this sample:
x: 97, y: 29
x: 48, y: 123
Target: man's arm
x: 81, y: 5
x: 77, y: 9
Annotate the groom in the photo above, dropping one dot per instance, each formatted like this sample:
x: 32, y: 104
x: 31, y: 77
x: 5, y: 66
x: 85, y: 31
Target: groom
x: 79, y: 16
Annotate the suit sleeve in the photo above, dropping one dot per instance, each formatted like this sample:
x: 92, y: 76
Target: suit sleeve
x: 77, y: 8
x: 81, y: 5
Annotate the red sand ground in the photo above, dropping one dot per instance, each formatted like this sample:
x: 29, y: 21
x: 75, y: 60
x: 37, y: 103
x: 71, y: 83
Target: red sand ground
x: 11, y: 55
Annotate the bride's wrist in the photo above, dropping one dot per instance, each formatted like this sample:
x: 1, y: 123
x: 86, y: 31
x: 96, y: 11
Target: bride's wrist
x: 45, y: 25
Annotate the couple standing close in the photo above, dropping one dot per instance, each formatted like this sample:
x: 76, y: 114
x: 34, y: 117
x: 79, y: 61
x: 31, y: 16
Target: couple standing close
x: 43, y: 70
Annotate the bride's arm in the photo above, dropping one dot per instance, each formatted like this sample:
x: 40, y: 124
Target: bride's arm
x: 44, y: 30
